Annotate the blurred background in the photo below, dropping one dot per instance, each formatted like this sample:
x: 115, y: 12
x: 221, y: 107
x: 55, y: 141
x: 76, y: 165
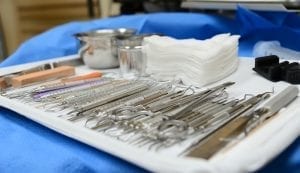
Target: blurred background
x: 23, y: 19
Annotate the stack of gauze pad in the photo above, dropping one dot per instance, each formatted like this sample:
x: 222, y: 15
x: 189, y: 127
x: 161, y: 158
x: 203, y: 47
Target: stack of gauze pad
x: 194, y: 62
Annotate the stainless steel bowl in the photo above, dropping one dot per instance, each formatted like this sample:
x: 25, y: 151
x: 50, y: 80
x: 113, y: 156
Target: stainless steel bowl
x: 99, y: 48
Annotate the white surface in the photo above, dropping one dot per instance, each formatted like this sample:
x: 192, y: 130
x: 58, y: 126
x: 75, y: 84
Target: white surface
x: 264, y: 144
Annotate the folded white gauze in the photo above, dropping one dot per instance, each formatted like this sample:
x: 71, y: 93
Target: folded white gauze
x: 194, y: 62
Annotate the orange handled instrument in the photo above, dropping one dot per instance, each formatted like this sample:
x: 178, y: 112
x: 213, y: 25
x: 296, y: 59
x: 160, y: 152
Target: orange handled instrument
x: 83, y: 77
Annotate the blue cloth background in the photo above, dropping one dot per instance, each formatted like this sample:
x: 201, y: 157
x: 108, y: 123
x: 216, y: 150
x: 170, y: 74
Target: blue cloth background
x: 29, y: 147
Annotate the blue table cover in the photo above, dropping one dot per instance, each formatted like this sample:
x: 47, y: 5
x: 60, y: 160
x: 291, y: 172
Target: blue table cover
x: 26, y: 146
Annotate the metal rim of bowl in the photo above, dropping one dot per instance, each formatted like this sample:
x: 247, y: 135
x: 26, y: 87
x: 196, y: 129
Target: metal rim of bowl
x: 119, y: 32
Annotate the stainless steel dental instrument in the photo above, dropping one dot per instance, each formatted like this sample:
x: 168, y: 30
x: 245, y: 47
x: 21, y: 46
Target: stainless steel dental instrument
x: 143, y: 113
x: 243, y: 124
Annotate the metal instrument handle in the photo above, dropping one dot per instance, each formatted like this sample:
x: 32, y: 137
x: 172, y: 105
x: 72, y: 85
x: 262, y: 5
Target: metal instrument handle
x: 276, y: 103
x: 282, y: 99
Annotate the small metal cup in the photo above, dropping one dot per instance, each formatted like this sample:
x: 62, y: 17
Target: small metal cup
x: 132, y: 61
x: 131, y: 58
